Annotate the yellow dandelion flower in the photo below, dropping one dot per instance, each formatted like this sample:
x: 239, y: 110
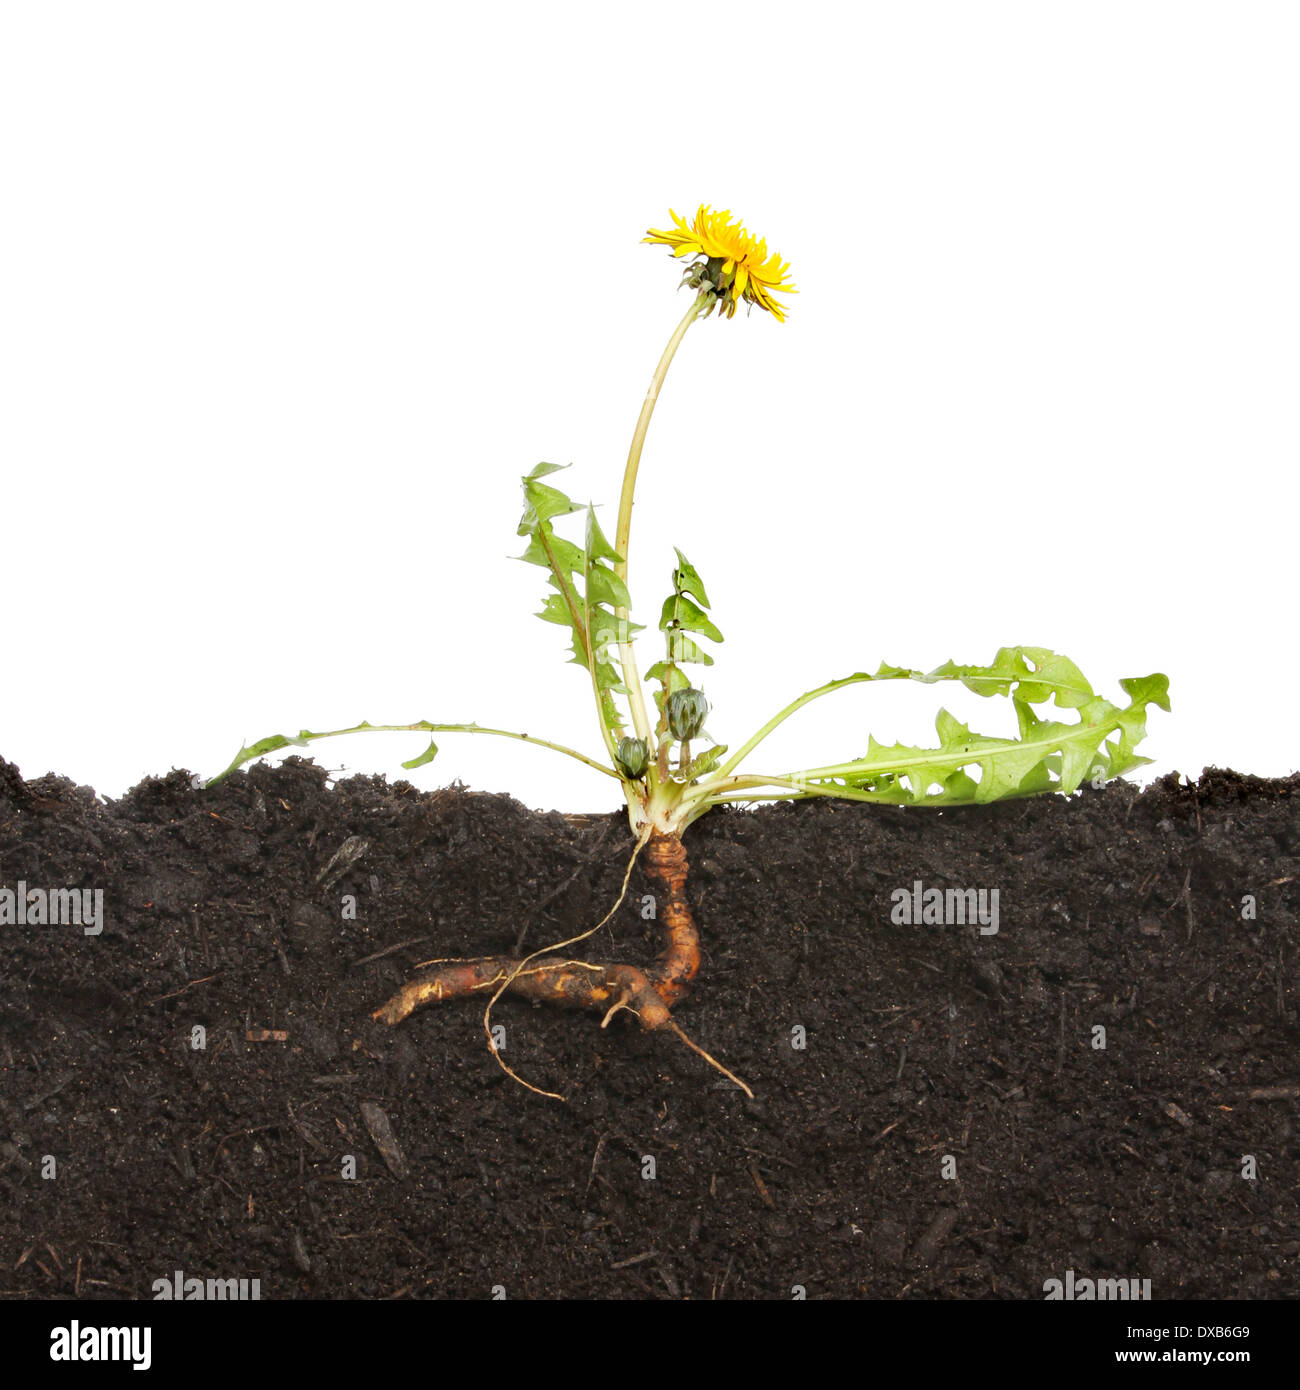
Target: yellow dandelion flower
x: 730, y: 264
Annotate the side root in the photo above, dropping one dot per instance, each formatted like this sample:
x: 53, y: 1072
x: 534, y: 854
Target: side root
x: 572, y: 984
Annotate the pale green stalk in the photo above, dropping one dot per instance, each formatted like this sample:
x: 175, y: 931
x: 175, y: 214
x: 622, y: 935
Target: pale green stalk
x: 748, y: 747
x: 627, y: 659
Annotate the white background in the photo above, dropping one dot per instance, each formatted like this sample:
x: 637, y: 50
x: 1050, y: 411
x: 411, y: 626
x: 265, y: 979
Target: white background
x: 294, y: 293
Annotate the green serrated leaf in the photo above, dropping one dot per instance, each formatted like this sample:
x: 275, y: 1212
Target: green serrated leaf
x: 598, y: 548
x: 604, y: 586
x: 886, y: 672
x: 427, y: 756
x: 544, y: 502
x: 1152, y: 690
x: 671, y: 678
x: 1047, y: 755
x: 608, y: 678
x: 607, y: 629
x: 686, y: 580
x: 682, y: 649
x: 586, y: 587
x: 272, y: 744
x: 681, y: 613
x: 706, y: 762
x: 556, y: 610
x: 1037, y: 673
x: 568, y: 556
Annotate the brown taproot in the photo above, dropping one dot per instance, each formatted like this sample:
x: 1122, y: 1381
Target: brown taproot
x: 679, y: 961
x: 607, y: 989
x: 574, y: 983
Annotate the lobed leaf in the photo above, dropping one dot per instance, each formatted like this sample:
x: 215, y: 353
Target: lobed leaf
x: 1047, y: 755
x: 705, y: 762
x: 251, y: 751
x: 588, y: 590
x: 544, y: 501
x: 681, y: 614
x: 687, y: 581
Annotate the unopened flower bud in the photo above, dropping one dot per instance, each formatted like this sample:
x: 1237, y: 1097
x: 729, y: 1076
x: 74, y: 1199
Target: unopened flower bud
x: 632, y: 757
x: 687, y: 710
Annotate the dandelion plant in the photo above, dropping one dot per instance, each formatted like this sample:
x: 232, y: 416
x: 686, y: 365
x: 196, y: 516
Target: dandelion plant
x: 661, y: 750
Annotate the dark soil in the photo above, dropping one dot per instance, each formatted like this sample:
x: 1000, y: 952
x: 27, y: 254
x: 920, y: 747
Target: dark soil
x: 926, y: 1047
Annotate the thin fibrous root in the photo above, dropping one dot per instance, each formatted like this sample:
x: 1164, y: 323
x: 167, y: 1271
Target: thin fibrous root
x: 711, y: 1060
x: 516, y: 968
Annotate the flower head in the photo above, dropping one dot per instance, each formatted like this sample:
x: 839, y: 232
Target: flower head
x: 687, y: 711
x: 730, y: 264
x: 632, y: 757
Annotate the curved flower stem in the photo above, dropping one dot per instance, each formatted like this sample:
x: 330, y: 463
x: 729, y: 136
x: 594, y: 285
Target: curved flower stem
x: 627, y: 659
